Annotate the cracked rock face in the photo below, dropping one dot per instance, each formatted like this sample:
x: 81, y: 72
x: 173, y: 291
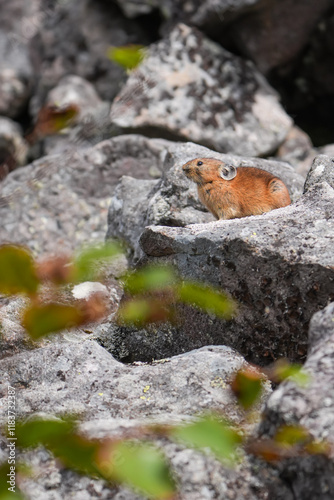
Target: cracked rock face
x: 191, y: 88
x: 312, y: 407
x: 279, y: 266
x: 173, y: 200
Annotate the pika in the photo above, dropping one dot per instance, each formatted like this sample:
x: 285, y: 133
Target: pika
x: 230, y: 192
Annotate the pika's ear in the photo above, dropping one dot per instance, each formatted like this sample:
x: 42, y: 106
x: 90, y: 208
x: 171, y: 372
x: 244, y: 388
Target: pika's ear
x: 227, y: 172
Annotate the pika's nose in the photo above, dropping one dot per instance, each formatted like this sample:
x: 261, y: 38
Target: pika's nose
x: 186, y: 169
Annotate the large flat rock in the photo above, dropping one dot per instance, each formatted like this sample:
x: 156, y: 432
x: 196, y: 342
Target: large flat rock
x: 77, y: 376
x: 279, y: 266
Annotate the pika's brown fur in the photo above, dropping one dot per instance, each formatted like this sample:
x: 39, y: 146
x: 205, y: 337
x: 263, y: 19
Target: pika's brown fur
x: 230, y: 192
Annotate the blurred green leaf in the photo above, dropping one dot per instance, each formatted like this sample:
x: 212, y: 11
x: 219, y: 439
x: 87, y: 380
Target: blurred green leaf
x: 77, y: 452
x: 62, y: 117
x: 5, y: 494
x: 37, y: 431
x: 60, y: 438
x: 319, y: 448
x: 149, y: 279
x: 141, y: 311
x: 17, y: 271
x: 289, y: 435
x: 208, y: 299
x: 211, y: 433
x: 141, y: 466
x: 247, y: 386
x: 41, y: 320
x: 283, y: 370
x: 85, y: 264
x: 127, y: 56
x: 134, y: 312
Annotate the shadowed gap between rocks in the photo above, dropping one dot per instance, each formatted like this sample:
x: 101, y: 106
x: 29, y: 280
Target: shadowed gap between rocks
x: 275, y: 308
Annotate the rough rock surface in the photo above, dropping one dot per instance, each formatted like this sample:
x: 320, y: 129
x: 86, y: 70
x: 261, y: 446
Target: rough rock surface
x: 311, y: 407
x: 60, y: 201
x: 113, y: 398
x: 279, y: 266
x: 322, y: 170
x: 173, y: 201
x: 81, y: 377
x: 275, y: 34
x: 191, y: 88
x: 13, y: 337
x: 127, y: 211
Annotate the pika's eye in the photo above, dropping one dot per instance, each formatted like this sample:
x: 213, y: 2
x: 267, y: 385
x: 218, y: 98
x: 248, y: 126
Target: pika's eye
x: 199, y: 163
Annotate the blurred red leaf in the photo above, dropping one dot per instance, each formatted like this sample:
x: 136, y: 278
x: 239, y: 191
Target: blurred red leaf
x: 52, y: 119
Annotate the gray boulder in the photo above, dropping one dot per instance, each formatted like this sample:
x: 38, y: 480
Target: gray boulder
x: 90, y: 126
x: 13, y: 337
x: 279, y: 266
x: 173, y: 200
x: 78, y: 376
x: 312, y: 407
x: 13, y: 148
x: 60, y: 201
x: 190, y: 88
x: 127, y: 212
x: 298, y: 151
x: 16, y: 76
x: 74, y: 38
x: 322, y: 170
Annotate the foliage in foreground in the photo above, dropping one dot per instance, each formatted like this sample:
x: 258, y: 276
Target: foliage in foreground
x: 151, y: 295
